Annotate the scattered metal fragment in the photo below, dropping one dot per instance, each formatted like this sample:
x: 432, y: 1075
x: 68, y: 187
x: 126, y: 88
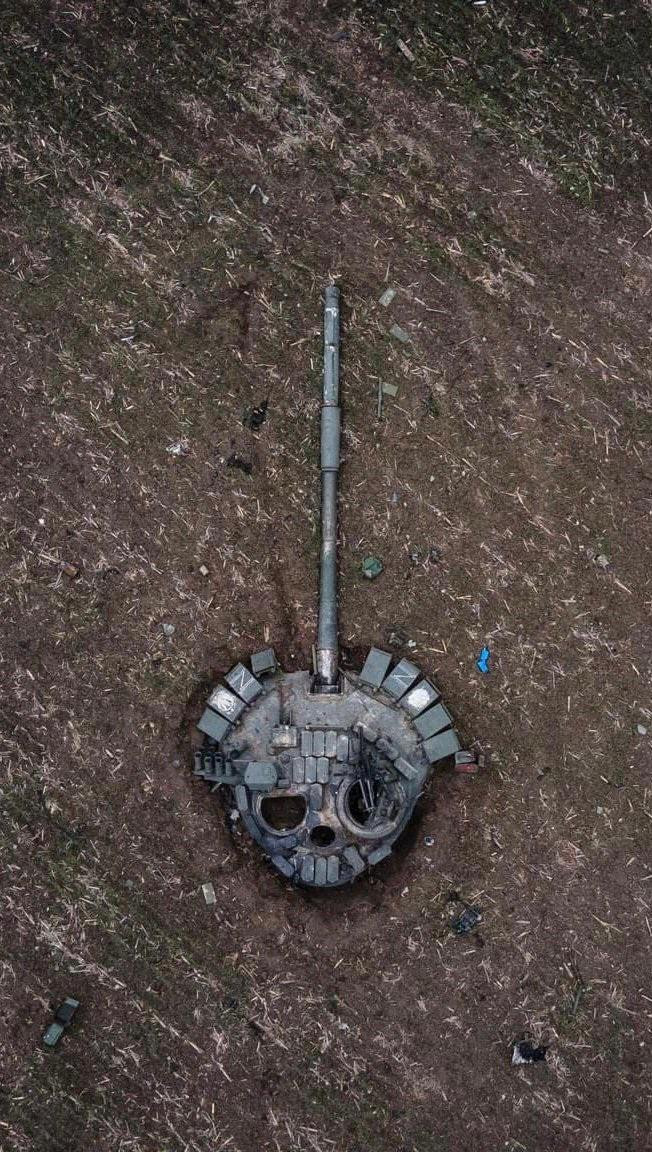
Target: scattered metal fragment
x: 62, y: 1019
x: 168, y: 629
x: 324, y: 769
x: 397, y: 638
x: 641, y: 729
x: 264, y: 197
x: 209, y: 893
x: 525, y: 1052
x: 178, y: 448
x: 53, y: 1034
x: 407, y: 52
x: 602, y: 561
x: 483, y: 660
x: 371, y: 567
x: 66, y: 1010
x: 467, y: 921
x: 387, y: 297
x: 254, y: 418
x: 203, y: 570
x: 400, y: 334
x: 390, y: 389
x: 429, y: 841
x: 466, y: 763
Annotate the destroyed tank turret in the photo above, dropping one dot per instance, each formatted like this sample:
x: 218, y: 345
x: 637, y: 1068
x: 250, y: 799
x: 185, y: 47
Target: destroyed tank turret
x: 325, y: 766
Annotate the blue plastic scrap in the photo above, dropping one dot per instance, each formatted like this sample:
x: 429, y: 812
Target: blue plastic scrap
x: 483, y: 660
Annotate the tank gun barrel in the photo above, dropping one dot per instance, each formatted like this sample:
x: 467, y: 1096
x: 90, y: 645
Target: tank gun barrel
x: 327, y: 641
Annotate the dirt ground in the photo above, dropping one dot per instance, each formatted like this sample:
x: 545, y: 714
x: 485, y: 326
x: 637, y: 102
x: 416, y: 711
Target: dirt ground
x: 178, y: 182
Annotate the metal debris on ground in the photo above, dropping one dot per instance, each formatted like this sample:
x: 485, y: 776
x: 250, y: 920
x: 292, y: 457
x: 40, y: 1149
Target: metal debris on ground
x: 178, y: 448
x: 209, y: 893
x: 466, y: 763
x: 407, y: 52
x: 324, y: 770
x: 264, y: 197
x: 641, y: 729
x: 387, y: 297
x: 371, y: 567
x: 400, y: 334
x: 469, y: 919
x: 602, y: 561
x: 399, y: 639
x: 385, y: 390
x: 203, y: 570
x: 62, y: 1019
x: 429, y: 841
x: 432, y: 556
x: 483, y: 660
x: 254, y: 418
x: 168, y: 629
x: 524, y: 1052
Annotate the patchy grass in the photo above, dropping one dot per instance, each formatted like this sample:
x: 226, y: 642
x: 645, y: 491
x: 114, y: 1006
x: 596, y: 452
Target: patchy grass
x: 569, y: 86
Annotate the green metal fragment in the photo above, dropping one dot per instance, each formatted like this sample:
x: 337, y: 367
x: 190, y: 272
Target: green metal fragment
x: 371, y: 567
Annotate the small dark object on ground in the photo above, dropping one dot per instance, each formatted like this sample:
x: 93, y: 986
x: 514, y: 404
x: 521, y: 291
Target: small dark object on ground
x: 70, y: 570
x: 525, y: 1052
x: 254, y: 418
x: 62, y: 1018
x: 53, y: 1034
x: 470, y: 918
x: 237, y: 462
